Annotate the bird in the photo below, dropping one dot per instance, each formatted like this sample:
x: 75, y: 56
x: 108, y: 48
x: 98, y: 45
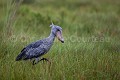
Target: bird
x: 35, y: 50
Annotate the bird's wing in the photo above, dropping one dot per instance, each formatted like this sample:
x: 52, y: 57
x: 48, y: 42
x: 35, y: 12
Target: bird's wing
x: 32, y: 45
x: 34, y: 53
x: 28, y: 48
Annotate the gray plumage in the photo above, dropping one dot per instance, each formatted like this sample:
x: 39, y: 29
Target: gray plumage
x: 41, y: 47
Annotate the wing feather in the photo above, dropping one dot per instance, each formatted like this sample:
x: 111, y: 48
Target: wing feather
x: 25, y: 50
x: 34, y: 53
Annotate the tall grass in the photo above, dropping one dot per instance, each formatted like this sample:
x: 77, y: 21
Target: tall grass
x: 91, y: 50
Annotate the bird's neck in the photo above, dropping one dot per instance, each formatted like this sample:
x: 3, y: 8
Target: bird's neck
x: 51, y: 37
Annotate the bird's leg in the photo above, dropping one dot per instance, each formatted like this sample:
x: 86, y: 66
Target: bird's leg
x: 44, y: 59
x: 35, y: 61
x: 32, y: 60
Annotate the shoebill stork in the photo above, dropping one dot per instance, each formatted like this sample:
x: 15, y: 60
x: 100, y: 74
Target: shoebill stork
x: 36, y: 49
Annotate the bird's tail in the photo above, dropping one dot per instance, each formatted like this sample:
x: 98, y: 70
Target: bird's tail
x: 19, y: 57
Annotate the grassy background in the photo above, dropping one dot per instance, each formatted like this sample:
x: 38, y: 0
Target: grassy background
x: 81, y: 57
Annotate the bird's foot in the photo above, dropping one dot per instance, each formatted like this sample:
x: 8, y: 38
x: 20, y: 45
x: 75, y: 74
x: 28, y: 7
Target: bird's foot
x: 45, y: 59
x: 35, y: 61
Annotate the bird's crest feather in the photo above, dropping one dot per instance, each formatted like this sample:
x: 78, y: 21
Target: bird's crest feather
x: 51, y: 24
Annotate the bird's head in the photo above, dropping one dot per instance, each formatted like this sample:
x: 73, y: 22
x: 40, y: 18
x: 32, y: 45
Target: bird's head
x: 57, y: 31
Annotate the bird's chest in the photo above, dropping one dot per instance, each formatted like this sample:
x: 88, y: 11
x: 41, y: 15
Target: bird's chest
x: 46, y: 46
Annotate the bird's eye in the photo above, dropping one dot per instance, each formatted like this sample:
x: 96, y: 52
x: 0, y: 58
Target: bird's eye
x: 58, y: 30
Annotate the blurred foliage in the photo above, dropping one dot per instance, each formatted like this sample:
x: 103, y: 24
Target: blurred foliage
x: 26, y: 1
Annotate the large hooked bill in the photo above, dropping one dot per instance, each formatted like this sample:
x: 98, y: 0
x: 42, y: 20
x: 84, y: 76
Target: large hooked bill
x: 59, y: 36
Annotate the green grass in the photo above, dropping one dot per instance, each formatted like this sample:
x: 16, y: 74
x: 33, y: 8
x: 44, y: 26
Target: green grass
x: 91, y: 29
